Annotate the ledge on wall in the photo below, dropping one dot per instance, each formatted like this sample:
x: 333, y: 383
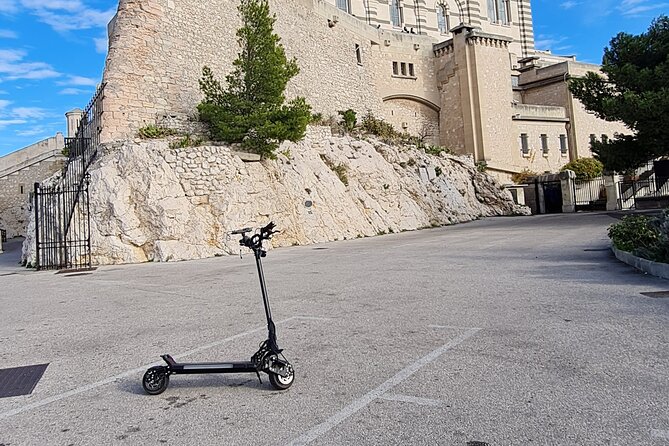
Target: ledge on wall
x: 656, y: 269
x: 247, y: 157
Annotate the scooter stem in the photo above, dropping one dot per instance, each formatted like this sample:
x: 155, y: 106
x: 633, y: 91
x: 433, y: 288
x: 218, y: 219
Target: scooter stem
x: 271, y: 335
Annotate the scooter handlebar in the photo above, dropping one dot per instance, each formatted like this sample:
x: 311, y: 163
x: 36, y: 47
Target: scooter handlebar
x: 241, y: 231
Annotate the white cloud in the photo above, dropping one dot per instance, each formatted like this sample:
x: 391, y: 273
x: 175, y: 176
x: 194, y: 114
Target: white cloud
x: 7, y: 34
x: 13, y: 67
x: 6, y: 122
x: 635, y: 8
x: 29, y: 113
x: 568, y: 4
x: 74, y: 91
x: 544, y: 42
x: 39, y: 130
x: 79, y: 81
x: 68, y: 15
x: 101, y: 45
x: 8, y: 6
x: 4, y: 103
x: 68, y: 5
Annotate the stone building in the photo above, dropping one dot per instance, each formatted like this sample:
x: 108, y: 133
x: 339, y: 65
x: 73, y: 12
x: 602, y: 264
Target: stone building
x: 462, y: 73
x: 21, y: 169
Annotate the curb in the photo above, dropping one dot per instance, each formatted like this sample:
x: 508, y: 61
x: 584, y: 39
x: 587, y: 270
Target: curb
x: 647, y: 266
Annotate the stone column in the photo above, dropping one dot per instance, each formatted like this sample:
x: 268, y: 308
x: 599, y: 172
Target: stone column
x: 612, y: 191
x: 567, y: 179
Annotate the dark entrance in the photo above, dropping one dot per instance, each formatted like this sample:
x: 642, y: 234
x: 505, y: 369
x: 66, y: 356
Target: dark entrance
x: 552, y: 197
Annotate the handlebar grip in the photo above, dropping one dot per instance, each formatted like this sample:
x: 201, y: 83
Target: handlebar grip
x: 241, y: 231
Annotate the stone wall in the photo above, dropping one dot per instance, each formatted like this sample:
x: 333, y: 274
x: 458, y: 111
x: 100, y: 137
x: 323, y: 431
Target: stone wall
x: 157, y: 49
x: 153, y: 202
x: 19, y: 171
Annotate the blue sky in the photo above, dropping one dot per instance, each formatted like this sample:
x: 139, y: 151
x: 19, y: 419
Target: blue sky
x: 52, y: 52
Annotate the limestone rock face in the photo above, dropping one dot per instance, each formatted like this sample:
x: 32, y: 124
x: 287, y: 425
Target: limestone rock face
x: 152, y: 202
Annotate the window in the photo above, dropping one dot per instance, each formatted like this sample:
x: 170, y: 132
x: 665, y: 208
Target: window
x: 344, y: 5
x: 524, y: 146
x: 544, y: 144
x: 21, y: 189
x: 396, y: 70
x: 403, y: 69
x: 498, y: 11
x: 396, y: 13
x: 443, y: 19
x: 358, y: 54
x: 563, y: 145
x: 411, y: 70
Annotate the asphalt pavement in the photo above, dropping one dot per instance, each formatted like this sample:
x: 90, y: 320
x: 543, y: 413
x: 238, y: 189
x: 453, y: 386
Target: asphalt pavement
x: 503, y: 331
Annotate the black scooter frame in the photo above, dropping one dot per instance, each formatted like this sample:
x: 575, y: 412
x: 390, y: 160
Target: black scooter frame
x: 268, y: 359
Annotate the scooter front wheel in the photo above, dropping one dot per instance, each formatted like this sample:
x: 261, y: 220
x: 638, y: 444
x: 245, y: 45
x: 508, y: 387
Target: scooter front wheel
x: 156, y: 380
x: 281, y: 382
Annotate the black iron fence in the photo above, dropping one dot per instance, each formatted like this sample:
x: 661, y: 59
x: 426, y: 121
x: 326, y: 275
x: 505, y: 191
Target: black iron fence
x: 652, y: 192
x: 62, y: 225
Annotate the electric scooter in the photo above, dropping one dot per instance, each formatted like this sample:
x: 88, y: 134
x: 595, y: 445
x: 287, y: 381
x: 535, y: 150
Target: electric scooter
x: 268, y: 359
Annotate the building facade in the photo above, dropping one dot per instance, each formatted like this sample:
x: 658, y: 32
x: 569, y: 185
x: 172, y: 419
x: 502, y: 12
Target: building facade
x: 462, y: 73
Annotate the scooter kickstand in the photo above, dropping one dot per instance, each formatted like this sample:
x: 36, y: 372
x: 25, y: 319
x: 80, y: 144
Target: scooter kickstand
x: 258, y: 375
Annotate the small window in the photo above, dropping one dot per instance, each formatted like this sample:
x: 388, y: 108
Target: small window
x: 544, y: 143
x: 563, y: 145
x: 396, y: 70
x: 524, y: 146
x: 403, y: 68
x: 411, y: 70
x: 396, y: 13
x: 443, y: 19
x: 358, y: 54
x: 21, y: 189
x: 344, y: 5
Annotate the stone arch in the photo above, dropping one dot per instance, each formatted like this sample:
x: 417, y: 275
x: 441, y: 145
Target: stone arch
x: 413, y: 114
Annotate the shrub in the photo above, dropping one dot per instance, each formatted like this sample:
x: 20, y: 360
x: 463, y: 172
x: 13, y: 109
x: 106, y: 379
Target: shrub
x: 481, y: 166
x: 436, y: 150
x: 349, y: 119
x: 523, y: 176
x: 186, y: 141
x: 154, y: 132
x: 585, y: 168
x: 338, y: 169
x: 378, y: 127
x: 643, y: 236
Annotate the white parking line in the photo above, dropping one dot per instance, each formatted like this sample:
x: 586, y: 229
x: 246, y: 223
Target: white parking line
x: 412, y: 400
x: 366, y: 399
x: 109, y: 380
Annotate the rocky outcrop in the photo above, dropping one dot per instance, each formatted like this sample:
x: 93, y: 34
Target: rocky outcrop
x: 153, y: 202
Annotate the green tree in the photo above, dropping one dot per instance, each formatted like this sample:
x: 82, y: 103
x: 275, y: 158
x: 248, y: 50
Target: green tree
x: 635, y: 90
x: 251, y: 110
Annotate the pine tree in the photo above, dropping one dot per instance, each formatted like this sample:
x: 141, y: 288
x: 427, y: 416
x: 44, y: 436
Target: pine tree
x: 251, y: 111
x: 636, y: 92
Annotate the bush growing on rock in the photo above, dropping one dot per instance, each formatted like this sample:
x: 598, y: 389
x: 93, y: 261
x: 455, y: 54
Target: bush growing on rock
x: 251, y: 111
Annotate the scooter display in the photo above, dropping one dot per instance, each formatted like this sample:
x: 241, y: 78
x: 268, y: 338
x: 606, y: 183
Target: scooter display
x: 269, y: 357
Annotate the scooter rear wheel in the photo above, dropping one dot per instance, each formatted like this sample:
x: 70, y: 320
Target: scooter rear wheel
x: 155, y: 380
x: 281, y: 382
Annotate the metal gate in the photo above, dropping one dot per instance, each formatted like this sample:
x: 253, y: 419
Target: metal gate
x: 590, y: 195
x: 62, y: 226
x: 649, y: 193
x: 62, y: 217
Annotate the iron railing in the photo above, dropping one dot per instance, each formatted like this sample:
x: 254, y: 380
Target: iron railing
x: 62, y: 225
x: 590, y: 195
x: 647, y: 189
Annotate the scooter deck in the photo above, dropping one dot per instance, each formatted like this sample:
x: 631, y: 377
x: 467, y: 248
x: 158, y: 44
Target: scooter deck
x: 209, y: 367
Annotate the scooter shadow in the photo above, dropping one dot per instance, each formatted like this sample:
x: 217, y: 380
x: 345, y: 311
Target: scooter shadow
x: 134, y: 386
